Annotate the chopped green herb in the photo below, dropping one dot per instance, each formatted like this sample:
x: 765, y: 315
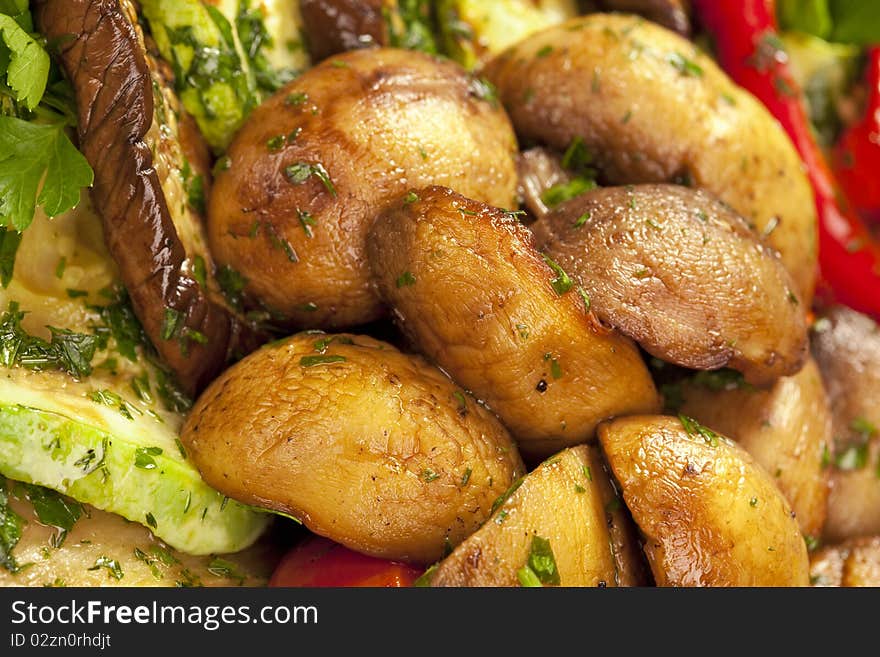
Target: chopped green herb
x: 411, y: 197
x: 753, y: 502
x: 425, y: 578
x: 684, y: 65
x: 466, y: 477
x: 59, y: 270
x: 232, y: 285
x: 462, y: 402
x: 863, y: 427
x: 200, y: 270
x: 299, y: 172
x: 853, y: 457
x: 694, y: 428
x: 143, y: 457
x: 296, y: 98
x: 523, y: 331
x: 306, y: 221
x: 812, y: 542
x: 723, y: 379
x: 484, y: 90
x: 501, y: 517
x: 180, y: 447
x: 151, y: 520
x: 561, y: 283
x: 171, y: 323
x: 406, y: 279
x: 312, y: 361
x: 322, y: 344
x: 429, y: 475
x: 542, y: 562
x: 114, y: 400
x: 583, y: 219
x: 558, y: 194
x: 67, y: 351
x: 10, y: 531
x: 585, y: 298
x: 114, y: 570
x: 10, y: 239
x: 225, y: 569
x: 577, y: 156
x: 527, y: 578
x: 579, y: 489
x: 543, y: 52
x: 276, y: 143
x: 588, y: 473
x: 614, y: 505
x: 54, y: 510
x: 506, y: 495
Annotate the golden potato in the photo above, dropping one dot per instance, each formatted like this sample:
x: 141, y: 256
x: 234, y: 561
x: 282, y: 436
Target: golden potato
x: 709, y: 515
x: 786, y: 429
x: 469, y: 289
x: 314, y: 165
x: 855, y: 562
x: 846, y: 346
x: 650, y: 107
x: 103, y: 549
x: 367, y: 446
x: 682, y: 275
x: 567, y: 501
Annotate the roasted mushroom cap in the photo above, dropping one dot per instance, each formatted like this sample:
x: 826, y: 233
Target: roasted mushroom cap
x: 131, y: 137
x: 370, y: 447
x: 315, y: 164
x: 682, y: 275
x: 846, y: 345
x: 469, y: 289
x: 650, y: 107
x: 709, y: 515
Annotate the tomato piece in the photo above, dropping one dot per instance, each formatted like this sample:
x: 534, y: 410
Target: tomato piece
x: 319, y: 562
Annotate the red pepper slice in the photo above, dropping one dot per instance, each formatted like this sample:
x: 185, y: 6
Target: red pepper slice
x: 748, y: 49
x: 318, y: 562
x: 856, y: 157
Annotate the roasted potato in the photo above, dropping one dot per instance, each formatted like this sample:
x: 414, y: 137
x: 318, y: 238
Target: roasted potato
x: 786, y: 429
x: 567, y: 501
x: 367, y: 446
x: 682, y: 275
x: 855, y: 562
x: 472, y: 293
x: 846, y: 346
x: 315, y: 164
x: 103, y: 549
x: 709, y: 514
x: 650, y: 107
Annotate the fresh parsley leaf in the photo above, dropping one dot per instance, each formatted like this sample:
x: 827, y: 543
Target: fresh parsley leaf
x: 32, y: 153
x: 9, y: 242
x: 53, y: 509
x: 114, y: 570
x: 28, y: 65
x: 542, y: 562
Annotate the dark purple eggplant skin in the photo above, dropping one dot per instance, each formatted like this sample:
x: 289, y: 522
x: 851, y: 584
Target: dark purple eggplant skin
x: 99, y: 50
x: 335, y: 26
x: 673, y: 14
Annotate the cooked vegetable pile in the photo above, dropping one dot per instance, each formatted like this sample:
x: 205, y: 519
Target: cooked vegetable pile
x: 450, y: 293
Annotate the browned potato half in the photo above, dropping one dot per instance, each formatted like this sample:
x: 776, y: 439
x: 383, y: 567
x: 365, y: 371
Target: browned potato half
x: 369, y: 447
x: 846, y: 346
x: 469, y: 289
x: 650, y: 107
x: 855, y: 562
x: 103, y: 549
x: 569, y: 504
x: 786, y: 429
x: 709, y: 515
x: 314, y: 165
x: 684, y: 276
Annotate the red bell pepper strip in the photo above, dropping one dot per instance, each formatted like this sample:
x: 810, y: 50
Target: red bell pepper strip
x: 856, y: 156
x: 318, y: 562
x: 748, y: 49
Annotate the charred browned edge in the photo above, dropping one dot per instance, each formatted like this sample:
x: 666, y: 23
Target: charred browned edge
x: 99, y: 49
